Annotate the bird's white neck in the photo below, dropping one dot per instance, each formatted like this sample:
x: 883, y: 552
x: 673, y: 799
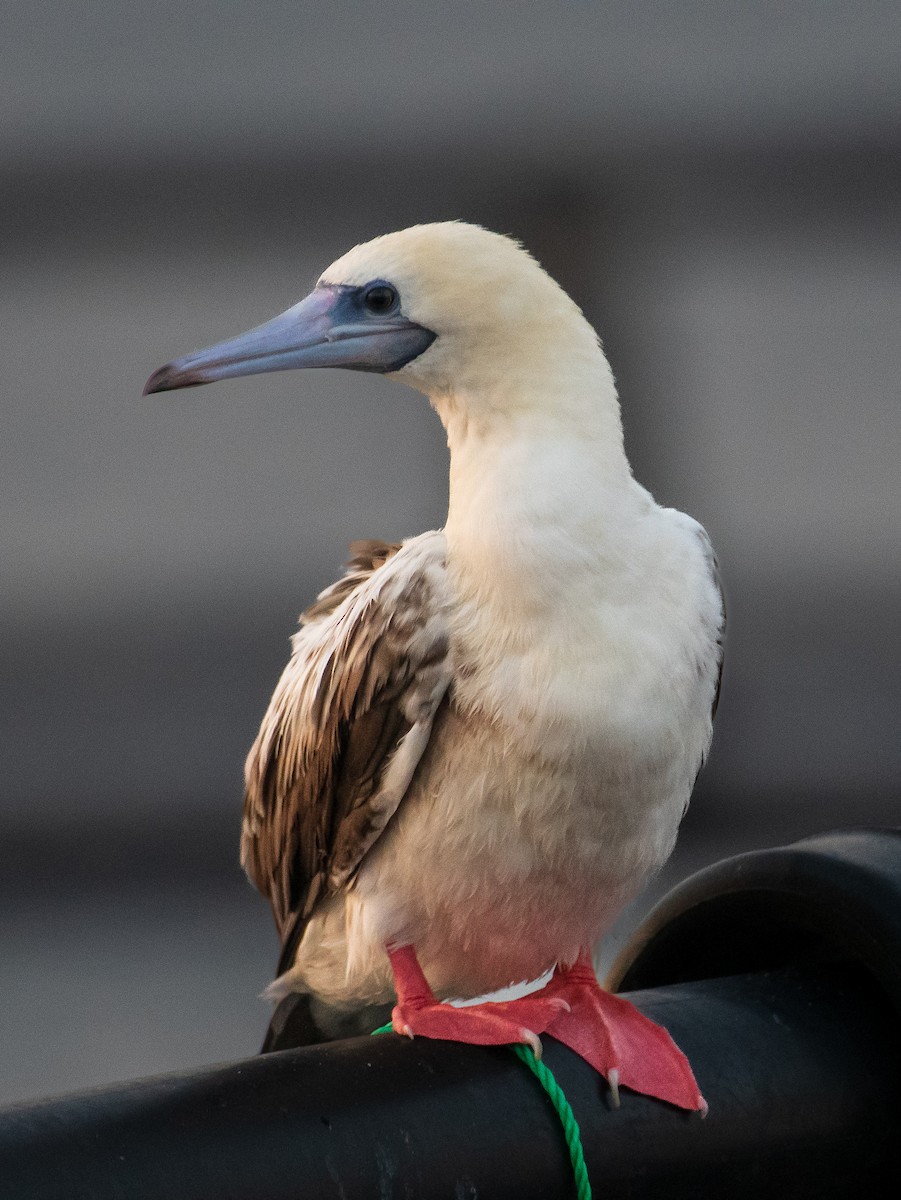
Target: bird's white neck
x: 535, y: 487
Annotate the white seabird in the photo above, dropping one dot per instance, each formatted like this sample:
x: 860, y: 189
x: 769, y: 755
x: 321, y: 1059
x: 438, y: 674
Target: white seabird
x: 487, y: 735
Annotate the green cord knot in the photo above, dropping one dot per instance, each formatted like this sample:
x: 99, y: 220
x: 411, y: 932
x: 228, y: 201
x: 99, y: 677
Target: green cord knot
x: 562, y: 1108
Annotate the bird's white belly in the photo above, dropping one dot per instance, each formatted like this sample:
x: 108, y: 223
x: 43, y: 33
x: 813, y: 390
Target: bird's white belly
x: 516, y: 862
x: 510, y: 852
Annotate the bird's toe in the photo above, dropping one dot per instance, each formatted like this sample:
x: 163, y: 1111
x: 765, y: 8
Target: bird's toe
x: 487, y: 1024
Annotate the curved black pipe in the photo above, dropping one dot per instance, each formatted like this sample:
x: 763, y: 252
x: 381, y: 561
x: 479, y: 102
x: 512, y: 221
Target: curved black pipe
x: 799, y: 1062
x: 832, y: 897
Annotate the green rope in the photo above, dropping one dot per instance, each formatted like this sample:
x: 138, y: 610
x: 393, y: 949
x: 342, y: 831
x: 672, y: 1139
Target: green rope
x: 561, y: 1106
x: 567, y: 1117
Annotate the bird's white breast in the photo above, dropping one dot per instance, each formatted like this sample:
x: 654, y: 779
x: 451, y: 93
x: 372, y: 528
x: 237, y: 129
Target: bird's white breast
x: 558, y: 774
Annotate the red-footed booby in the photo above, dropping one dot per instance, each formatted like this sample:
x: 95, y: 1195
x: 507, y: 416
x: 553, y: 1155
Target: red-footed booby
x: 486, y: 736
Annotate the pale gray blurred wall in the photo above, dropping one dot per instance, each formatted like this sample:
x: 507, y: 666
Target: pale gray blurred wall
x: 717, y: 184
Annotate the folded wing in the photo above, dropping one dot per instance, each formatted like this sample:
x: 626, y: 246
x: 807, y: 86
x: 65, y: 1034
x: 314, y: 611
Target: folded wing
x: 346, y: 727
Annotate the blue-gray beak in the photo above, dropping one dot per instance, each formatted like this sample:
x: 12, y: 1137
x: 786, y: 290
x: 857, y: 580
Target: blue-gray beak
x: 332, y: 327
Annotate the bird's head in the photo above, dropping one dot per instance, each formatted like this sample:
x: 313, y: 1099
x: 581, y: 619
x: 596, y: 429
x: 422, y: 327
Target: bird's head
x: 451, y: 309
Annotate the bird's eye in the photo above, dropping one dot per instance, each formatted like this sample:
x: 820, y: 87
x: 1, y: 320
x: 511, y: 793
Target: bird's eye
x: 379, y: 298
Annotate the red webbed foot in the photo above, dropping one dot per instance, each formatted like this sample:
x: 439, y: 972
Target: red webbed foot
x: 492, y: 1023
x: 624, y: 1046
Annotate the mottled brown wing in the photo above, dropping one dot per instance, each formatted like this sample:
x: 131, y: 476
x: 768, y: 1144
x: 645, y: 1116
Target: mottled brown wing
x: 346, y: 727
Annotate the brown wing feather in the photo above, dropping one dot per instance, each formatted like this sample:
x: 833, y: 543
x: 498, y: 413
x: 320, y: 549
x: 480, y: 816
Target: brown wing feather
x: 366, y: 557
x: 333, y: 757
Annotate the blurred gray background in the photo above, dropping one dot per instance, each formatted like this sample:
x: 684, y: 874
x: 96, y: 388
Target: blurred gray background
x: 717, y: 184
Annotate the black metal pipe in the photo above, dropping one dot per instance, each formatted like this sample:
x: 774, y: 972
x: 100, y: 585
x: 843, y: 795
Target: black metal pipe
x: 800, y: 1065
x: 800, y: 1068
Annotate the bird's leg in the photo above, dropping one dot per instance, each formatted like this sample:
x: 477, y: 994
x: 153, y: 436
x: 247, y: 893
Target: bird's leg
x: 492, y: 1023
x: 624, y: 1046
